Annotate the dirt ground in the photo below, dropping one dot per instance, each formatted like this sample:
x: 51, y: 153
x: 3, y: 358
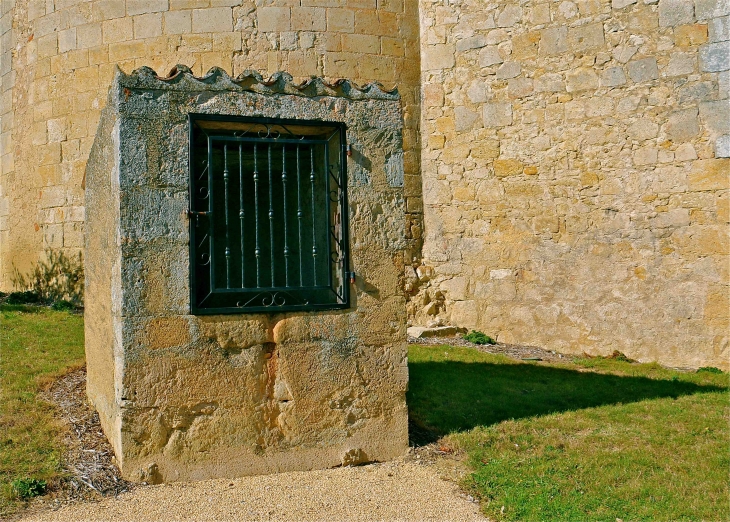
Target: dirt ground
x: 421, y: 485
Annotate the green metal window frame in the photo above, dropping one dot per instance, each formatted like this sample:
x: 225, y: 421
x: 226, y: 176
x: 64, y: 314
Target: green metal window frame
x: 268, y: 215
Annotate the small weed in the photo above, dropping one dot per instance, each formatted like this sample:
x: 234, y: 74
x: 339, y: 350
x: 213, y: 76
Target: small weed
x: 477, y: 337
x: 57, y: 279
x: 26, y: 488
x: 20, y: 298
x: 63, y: 305
x: 619, y: 356
x: 709, y: 369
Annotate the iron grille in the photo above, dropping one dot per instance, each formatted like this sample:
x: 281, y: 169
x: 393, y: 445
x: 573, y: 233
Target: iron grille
x: 268, y: 215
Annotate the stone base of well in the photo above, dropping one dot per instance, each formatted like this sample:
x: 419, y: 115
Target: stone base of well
x: 186, y: 397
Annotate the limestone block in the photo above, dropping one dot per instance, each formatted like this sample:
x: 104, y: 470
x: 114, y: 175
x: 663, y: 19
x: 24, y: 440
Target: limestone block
x: 308, y: 19
x: 438, y: 57
x: 455, y: 289
x: 643, y: 129
x: 148, y: 25
x: 88, y: 35
x: 705, y: 9
x: 620, y: 4
x: 685, y: 152
x: 681, y: 64
x: 137, y: 7
x: 554, y: 41
x: 364, y: 43
x: 507, y: 167
x: 489, y: 56
x: 715, y: 116
x: 464, y: 119
x: 719, y: 29
x: 520, y: 87
x: 497, y: 114
x: 675, y: 12
x: 715, y: 57
x: 683, y: 125
x: 464, y: 314
x: 212, y: 20
x: 341, y: 20
x: 473, y: 42
x: 645, y: 156
x: 117, y: 30
x: 710, y: 174
x: 271, y: 19
x: 509, y: 16
x: 643, y: 70
x: 687, y: 35
x: 581, y: 79
x: 722, y: 146
x: 540, y: 14
x: 509, y: 70
x: 586, y: 37
x: 613, y: 77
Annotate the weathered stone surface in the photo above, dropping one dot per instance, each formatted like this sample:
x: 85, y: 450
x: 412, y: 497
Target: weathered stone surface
x: 554, y: 40
x: 185, y: 397
x: 715, y: 57
x: 421, y: 332
x: 613, y: 77
x: 675, y: 12
x: 722, y: 146
x: 683, y: 125
x: 497, y: 114
x: 643, y: 70
x: 489, y: 56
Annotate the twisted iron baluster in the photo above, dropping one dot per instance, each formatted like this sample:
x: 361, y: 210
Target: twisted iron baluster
x: 241, y: 212
x: 314, y: 228
x: 225, y: 193
x: 257, y: 251
x: 300, y: 215
x: 271, y: 219
x: 286, y: 240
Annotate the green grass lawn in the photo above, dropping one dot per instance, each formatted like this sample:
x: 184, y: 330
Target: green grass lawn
x: 36, y: 344
x: 593, y: 439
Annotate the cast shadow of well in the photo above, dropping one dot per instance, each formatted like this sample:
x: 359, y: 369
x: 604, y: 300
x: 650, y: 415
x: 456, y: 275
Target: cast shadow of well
x: 450, y: 396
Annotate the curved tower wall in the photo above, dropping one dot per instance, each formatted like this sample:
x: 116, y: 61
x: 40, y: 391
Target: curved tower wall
x: 57, y: 60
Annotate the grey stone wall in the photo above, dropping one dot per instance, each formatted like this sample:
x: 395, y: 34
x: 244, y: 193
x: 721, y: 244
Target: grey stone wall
x: 212, y: 396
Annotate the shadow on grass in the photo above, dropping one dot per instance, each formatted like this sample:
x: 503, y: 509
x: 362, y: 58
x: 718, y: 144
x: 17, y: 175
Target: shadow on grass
x: 450, y: 396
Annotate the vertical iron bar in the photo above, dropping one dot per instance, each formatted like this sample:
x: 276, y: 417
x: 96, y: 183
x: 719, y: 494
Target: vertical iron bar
x: 286, y: 214
x: 241, y: 212
x: 300, y: 215
x: 314, y: 228
x: 257, y: 251
x: 211, y: 257
x: 271, y: 220
x: 327, y: 205
x: 225, y: 202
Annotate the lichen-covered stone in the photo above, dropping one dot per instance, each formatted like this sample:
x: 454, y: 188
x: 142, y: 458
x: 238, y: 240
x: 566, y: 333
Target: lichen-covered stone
x: 184, y: 397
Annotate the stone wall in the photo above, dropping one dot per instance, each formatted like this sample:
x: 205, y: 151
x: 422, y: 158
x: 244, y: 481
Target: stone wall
x: 575, y: 172
x: 57, y: 59
x: 186, y: 397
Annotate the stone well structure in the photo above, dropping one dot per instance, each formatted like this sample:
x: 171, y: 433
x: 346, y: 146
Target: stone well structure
x: 184, y: 396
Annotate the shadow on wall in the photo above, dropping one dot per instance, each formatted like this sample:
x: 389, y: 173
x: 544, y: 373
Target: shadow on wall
x: 449, y: 396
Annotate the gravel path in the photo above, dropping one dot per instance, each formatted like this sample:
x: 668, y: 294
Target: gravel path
x: 399, y: 490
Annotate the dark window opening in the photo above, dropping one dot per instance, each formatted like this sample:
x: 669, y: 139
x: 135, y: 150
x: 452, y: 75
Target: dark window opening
x: 268, y: 215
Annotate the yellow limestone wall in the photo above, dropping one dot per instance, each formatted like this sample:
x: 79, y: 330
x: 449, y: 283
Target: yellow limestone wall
x: 575, y: 174
x: 57, y: 60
